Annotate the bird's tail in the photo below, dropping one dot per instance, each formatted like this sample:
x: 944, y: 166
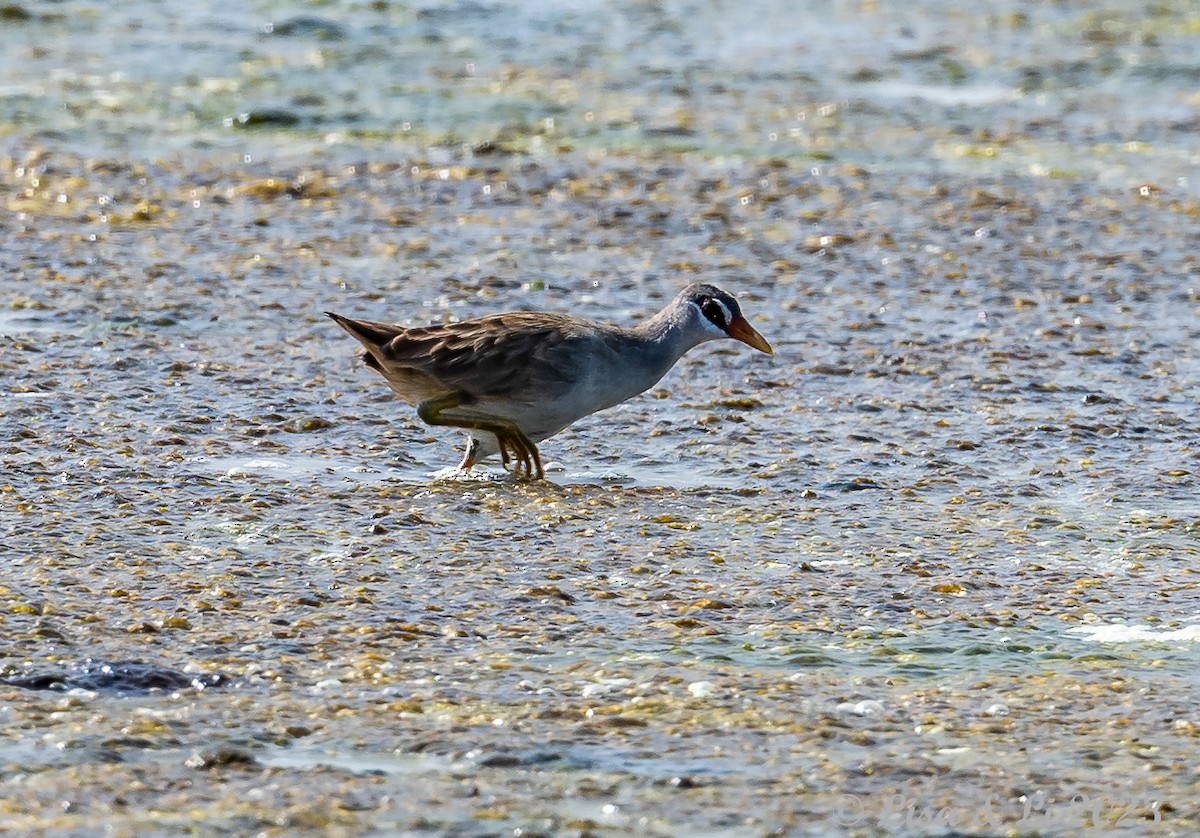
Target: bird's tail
x: 368, y: 332
x: 372, y: 335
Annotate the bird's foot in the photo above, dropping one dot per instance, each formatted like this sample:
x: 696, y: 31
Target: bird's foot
x: 511, y: 440
x: 527, y: 461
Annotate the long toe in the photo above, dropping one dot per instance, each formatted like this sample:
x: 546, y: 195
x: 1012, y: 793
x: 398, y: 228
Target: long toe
x: 510, y: 451
x: 532, y: 462
x: 522, y: 468
x: 518, y: 455
x: 533, y: 469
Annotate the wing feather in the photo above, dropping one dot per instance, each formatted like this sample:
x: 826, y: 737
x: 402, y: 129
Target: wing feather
x: 520, y: 355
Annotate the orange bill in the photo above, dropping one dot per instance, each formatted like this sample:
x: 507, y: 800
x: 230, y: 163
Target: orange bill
x: 739, y: 329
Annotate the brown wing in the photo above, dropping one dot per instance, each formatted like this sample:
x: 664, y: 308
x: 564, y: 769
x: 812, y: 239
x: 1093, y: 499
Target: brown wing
x: 520, y: 355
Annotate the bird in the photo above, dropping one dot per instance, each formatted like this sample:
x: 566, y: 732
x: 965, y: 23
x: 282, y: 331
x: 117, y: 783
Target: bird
x: 512, y: 380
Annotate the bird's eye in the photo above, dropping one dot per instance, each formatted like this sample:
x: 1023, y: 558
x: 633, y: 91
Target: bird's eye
x: 714, y: 312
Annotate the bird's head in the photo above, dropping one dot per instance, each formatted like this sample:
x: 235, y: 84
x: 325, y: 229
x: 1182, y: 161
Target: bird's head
x: 719, y: 314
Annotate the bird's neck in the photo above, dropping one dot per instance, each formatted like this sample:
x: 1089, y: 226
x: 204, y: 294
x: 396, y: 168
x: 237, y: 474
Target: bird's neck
x: 641, y: 356
x: 669, y: 327
x: 664, y: 338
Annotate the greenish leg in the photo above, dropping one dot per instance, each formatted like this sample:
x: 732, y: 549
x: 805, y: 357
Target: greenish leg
x: 528, y: 462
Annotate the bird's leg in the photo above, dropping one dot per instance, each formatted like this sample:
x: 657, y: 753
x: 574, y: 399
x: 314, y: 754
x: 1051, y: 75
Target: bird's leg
x: 442, y: 411
x: 525, y: 457
x: 537, y: 462
x: 531, y: 461
x: 520, y: 459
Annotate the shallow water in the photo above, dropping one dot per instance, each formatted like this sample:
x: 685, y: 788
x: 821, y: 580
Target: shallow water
x: 930, y: 568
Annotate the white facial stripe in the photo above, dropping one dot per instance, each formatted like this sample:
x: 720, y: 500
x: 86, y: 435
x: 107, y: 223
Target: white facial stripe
x: 724, y: 310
